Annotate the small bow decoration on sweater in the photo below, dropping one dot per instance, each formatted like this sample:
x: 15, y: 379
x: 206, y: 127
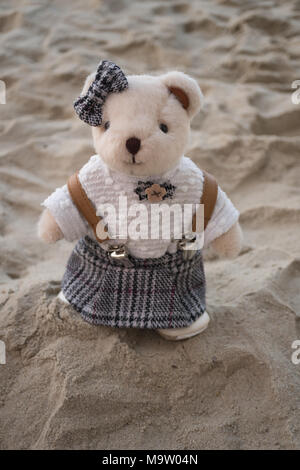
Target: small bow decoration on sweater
x: 154, y: 192
x: 109, y: 79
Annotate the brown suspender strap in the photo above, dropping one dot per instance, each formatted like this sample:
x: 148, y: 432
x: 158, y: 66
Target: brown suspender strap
x: 208, y: 199
x: 87, y: 210
x: 83, y: 204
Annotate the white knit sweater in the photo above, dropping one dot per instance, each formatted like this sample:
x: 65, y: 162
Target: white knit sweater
x: 103, y: 185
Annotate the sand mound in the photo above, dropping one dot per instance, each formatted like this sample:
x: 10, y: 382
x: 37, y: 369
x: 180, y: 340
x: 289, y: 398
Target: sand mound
x: 70, y: 385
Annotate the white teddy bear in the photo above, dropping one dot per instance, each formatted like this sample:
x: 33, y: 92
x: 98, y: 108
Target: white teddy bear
x: 140, y: 126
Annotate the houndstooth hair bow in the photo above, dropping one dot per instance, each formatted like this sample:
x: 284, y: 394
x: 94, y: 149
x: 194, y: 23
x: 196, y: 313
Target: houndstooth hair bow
x: 109, y: 79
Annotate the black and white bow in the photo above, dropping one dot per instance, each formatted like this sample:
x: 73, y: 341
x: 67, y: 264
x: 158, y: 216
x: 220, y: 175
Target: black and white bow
x: 109, y: 79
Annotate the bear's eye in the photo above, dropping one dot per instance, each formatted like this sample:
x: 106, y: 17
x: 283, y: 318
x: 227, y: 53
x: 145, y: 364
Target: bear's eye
x: 163, y: 127
x: 106, y: 125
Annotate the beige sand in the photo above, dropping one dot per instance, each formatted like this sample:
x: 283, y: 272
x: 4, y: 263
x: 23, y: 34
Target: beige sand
x: 69, y: 385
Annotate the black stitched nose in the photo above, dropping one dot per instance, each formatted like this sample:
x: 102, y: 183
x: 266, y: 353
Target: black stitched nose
x: 133, y: 145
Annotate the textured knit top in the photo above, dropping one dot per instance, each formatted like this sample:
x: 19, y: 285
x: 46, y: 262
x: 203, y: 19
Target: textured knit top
x: 104, y: 186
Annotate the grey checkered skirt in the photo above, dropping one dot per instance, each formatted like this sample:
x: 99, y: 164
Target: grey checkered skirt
x: 166, y: 292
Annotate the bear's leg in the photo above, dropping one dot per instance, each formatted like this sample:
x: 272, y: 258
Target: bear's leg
x: 176, y: 334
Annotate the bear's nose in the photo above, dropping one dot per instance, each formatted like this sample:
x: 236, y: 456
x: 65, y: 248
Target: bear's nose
x: 133, y: 145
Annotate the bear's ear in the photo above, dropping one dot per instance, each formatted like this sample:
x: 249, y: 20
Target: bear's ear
x: 186, y: 90
x: 88, y: 81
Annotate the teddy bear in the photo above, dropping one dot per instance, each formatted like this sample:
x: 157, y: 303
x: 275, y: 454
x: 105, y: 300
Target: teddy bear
x: 140, y: 127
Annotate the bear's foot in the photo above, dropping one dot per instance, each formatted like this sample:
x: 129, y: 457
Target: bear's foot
x: 61, y: 297
x: 176, y: 334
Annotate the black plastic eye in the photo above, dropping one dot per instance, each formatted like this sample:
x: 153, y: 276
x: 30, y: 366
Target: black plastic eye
x: 163, y: 127
x: 106, y: 125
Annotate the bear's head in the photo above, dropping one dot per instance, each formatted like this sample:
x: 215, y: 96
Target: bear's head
x: 144, y: 128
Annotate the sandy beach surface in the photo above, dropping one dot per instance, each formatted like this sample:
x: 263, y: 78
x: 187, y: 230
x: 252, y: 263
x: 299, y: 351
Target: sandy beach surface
x: 68, y: 385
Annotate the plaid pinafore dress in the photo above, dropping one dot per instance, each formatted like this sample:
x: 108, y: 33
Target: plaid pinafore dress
x: 165, y: 292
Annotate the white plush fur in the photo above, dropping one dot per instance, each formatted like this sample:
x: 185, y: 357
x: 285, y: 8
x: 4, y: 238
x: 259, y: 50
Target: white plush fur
x: 229, y: 244
x: 138, y: 112
x: 48, y: 230
x: 189, y: 86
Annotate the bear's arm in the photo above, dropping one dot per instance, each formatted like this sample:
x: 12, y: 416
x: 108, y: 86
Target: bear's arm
x: 223, y: 231
x: 48, y: 230
x: 61, y: 218
x: 229, y: 244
